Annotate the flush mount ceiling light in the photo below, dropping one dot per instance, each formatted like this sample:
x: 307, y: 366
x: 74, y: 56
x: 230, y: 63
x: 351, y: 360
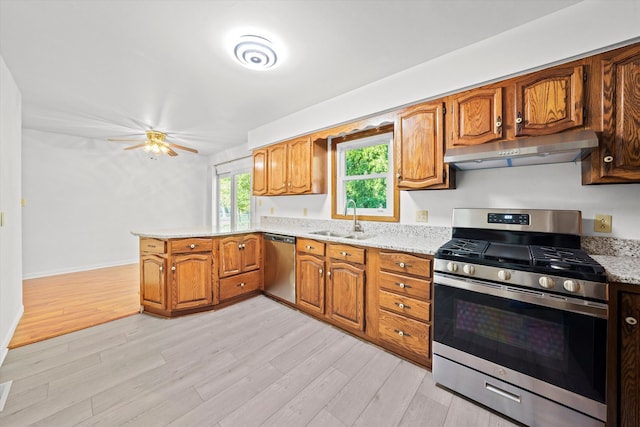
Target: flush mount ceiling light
x: 255, y: 52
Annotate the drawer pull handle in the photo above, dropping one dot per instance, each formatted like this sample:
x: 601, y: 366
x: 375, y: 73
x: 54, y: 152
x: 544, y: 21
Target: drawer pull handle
x: 631, y: 321
x: 242, y: 285
x: 501, y: 392
x: 343, y: 253
x: 404, y: 265
x: 403, y: 285
x: 401, y: 333
x: 308, y: 247
x: 403, y: 306
x: 193, y: 246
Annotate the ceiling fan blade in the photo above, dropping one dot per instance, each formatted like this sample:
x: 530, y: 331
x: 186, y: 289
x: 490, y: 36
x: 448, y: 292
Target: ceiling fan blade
x: 135, y: 146
x: 172, y: 153
x: 125, y: 140
x: 182, y: 147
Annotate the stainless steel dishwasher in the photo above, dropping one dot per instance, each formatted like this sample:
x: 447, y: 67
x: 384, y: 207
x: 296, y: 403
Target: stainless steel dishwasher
x: 280, y: 266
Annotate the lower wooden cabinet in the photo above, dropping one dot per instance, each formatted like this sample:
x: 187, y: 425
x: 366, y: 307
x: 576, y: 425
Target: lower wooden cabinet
x: 310, y: 282
x: 345, y: 294
x: 191, y: 281
x: 152, y: 281
x: 240, y: 284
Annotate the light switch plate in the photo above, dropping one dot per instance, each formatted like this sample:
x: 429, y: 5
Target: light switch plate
x: 602, y: 223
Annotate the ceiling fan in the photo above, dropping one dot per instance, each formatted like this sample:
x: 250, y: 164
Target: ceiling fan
x: 156, y: 143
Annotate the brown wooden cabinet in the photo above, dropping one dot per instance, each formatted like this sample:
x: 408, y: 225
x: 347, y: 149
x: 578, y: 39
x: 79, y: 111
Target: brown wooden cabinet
x: 346, y: 290
x: 475, y: 117
x: 176, y: 275
x: 239, y: 265
x: 419, y: 148
x: 297, y: 166
x: 617, y: 159
x: 403, y: 312
x: 623, y: 373
x: 310, y: 275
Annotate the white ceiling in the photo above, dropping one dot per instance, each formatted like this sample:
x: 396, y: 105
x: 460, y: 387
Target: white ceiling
x: 101, y: 69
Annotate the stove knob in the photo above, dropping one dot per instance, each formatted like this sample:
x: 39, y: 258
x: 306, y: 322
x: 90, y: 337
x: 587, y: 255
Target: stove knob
x: 469, y: 269
x: 571, y: 285
x: 546, y: 282
x: 504, y: 275
x: 452, y: 267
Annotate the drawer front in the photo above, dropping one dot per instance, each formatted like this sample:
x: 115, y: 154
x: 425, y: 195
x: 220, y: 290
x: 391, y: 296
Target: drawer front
x: 346, y: 253
x: 310, y: 246
x: 153, y: 246
x: 404, y: 285
x: 406, y: 306
x: 405, y: 263
x: 239, y: 284
x: 405, y: 333
x: 191, y: 245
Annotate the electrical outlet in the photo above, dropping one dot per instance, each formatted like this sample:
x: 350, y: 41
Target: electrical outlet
x: 271, y: 211
x: 422, y: 216
x: 602, y: 223
x: 259, y: 202
x: 304, y: 211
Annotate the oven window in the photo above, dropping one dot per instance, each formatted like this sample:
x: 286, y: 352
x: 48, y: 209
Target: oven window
x: 559, y: 347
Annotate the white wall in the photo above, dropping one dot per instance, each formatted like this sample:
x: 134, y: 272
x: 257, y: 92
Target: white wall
x: 11, y: 308
x: 84, y: 197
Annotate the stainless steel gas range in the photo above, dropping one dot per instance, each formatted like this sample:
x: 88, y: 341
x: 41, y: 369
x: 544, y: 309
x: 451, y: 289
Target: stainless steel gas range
x: 520, y: 316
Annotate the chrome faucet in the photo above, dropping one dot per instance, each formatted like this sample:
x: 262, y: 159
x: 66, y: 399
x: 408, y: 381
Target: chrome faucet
x: 357, y: 227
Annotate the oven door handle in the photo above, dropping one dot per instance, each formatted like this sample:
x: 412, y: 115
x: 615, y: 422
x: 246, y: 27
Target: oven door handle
x: 574, y: 305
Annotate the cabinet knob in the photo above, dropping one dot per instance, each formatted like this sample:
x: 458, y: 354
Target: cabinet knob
x: 608, y: 159
x: 308, y: 247
x: 173, y: 268
x: 404, y: 264
x: 499, y: 124
x: 401, y: 305
x: 192, y: 246
x: 239, y: 246
x: 243, y: 246
x: 242, y: 285
x: 329, y: 273
x: 161, y: 268
x: 401, y: 333
x: 343, y: 253
x: 631, y: 321
x: 519, y: 123
x: 403, y: 285
x: 320, y: 272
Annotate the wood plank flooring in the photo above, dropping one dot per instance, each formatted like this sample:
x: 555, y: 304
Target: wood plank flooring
x: 57, y: 305
x: 257, y: 363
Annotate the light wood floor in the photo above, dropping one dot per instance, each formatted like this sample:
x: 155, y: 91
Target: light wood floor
x: 257, y: 363
x: 57, y: 305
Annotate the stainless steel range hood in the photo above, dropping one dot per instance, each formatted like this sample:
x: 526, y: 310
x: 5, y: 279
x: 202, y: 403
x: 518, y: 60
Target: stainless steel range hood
x: 562, y: 147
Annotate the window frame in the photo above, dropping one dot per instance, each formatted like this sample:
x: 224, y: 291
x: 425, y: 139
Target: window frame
x: 369, y: 137
x: 233, y: 223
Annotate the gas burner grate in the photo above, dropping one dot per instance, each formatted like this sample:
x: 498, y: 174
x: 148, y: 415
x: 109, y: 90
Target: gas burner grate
x: 564, y: 259
x: 464, y: 247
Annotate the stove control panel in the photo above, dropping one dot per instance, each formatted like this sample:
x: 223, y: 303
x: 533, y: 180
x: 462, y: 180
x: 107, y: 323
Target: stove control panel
x: 507, y: 218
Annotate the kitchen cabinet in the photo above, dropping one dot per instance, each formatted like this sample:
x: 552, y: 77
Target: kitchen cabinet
x: 617, y: 88
x: 310, y: 275
x: 419, y: 148
x: 346, y: 286
x: 176, y: 275
x: 475, y: 117
x: 297, y: 166
x: 624, y: 355
x: 259, y: 178
x: 239, y: 265
x: 403, y: 311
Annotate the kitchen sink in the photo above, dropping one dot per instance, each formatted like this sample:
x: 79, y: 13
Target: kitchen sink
x: 358, y: 236
x: 329, y: 233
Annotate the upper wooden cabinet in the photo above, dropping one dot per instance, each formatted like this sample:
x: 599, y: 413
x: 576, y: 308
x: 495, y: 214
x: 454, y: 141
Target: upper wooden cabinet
x: 476, y: 117
x: 419, y: 147
x: 617, y: 160
x: 297, y: 166
x: 549, y: 101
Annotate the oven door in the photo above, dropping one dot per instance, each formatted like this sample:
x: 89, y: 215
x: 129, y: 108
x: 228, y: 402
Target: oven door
x: 542, y: 338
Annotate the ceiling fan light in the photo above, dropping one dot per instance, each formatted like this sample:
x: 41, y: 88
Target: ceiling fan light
x: 164, y: 149
x: 155, y: 148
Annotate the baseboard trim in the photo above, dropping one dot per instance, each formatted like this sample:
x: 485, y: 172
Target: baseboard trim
x: 39, y: 274
x: 6, y: 340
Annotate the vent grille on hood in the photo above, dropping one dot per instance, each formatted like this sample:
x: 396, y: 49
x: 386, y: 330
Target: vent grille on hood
x: 557, y: 148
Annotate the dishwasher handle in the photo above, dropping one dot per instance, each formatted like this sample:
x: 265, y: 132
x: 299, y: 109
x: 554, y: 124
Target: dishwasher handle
x: 279, y: 238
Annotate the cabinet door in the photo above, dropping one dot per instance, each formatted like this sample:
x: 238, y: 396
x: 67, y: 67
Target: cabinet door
x: 230, y: 259
x: 191, y: 281
x: 549, y: 101
x: 277, y: 169
x: 476, y: 117
x: 251, y: 252
x: 310, y: 283
x: 419, y: 143
x: 152, y: 279
x: 259, y: 177
x: 345, y: 294
x: 629, y: 369
x: 620, y: 143
x: 299, y: 165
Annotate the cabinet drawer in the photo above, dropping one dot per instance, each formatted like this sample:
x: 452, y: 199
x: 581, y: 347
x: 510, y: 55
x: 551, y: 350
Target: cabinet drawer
x: 405, y: 285
x: 239, y: 284
x: 153, y: 246
x: 191, y: 245
x: 346, y: 252
x: 310, y: 246
x: 405, y: 306
x: 405, y: 333
x: 405, y: 263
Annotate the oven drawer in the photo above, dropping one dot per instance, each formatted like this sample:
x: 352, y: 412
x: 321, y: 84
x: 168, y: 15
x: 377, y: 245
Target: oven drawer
x: 191, y: 245
x: 406, y: 333
x: 310, y: 246
x: 404, y: 285
x: 239, y: 284
x: 405, y: 306
x: 405, y: 263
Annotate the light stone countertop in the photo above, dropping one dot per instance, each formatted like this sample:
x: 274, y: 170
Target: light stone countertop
x: 622, y: 269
